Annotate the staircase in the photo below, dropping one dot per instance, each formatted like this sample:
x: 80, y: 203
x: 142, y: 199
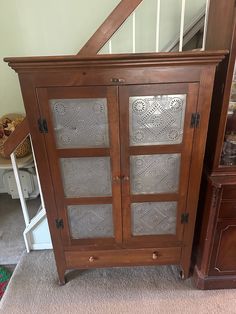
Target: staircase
x: 161, y: 26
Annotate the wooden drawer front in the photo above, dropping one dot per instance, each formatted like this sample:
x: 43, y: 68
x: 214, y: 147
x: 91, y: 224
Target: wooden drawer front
x: 229, y: 192
x: 90, y: 259
x: 228, y: 210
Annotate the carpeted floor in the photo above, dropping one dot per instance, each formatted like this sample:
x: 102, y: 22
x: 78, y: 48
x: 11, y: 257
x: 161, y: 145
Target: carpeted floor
x: 33, y: 289
x: 11, y: 228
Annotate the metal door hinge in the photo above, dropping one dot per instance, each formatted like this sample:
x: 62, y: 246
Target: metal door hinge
x: 42, y: 124
x: 184, y: 218
x: 195, y: 119
x: 59, y: 223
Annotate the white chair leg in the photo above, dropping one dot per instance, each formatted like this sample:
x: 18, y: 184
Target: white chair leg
x: 20, y: 190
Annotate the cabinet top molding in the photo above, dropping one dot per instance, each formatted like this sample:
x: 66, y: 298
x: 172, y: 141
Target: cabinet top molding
x: 28, y: 64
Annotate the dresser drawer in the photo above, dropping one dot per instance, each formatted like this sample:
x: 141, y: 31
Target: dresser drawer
x: 229, y: 192
x: 153, y: 256
x: 227, y: 209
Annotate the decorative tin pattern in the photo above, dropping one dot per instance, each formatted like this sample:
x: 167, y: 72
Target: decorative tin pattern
x: 153, y: 218
x: 86, y: 176
x: 152, y: 174
x: 156, y: 120
x: 80, y: 123
x: 90, y: 221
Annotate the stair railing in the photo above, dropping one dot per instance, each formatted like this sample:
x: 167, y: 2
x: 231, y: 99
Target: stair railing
x: 104, y: 36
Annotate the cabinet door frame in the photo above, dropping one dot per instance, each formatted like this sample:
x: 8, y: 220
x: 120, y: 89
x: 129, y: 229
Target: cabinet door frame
x: 191, y: 90
x: 54, y: 154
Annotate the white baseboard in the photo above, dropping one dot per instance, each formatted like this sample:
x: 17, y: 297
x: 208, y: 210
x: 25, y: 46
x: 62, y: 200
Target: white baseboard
x: 41, y: 246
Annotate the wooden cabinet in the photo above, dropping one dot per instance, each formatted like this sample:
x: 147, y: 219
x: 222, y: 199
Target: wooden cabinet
x: 216, y: 254
x: 216, y: 260
x: 119, y: 142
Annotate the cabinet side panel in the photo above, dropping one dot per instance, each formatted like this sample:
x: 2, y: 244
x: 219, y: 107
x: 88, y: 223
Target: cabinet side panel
x: 203, y: 108
x: 207, y: 231
x: 33, y: 114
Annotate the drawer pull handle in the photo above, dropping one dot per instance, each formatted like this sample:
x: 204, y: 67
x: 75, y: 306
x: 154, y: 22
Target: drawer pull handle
x: 117, y: 80
x: 155, y: 255
x: 91, y: 259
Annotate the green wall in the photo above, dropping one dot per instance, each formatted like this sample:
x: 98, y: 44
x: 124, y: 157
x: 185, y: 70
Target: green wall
x: 43, y: 27
x: 57, y: 27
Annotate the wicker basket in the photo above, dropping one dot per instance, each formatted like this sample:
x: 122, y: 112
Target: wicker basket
x: 23, y: 149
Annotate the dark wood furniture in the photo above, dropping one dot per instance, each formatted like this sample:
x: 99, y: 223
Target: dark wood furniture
x: 216, y: 255
x: 216, y: 258
x: 119, y: 142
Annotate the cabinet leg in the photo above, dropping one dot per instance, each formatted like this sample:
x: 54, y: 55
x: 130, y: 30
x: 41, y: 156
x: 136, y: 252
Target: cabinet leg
x: 181, y: 275
x: 62, y: 278
x: 185, y: 267
x: 62, y: 282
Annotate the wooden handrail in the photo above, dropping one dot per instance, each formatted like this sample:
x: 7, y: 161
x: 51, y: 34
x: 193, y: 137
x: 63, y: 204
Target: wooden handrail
x: 16, y: 137
x: 109, y: 27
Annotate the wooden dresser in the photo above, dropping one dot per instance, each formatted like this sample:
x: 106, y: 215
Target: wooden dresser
x: 119, y: 143
x: 216, y: 255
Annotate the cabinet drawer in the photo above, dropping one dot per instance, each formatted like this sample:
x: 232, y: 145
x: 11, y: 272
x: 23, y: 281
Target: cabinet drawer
x: 229, y: 192
x: 228, y: 209
x: 123, y: 257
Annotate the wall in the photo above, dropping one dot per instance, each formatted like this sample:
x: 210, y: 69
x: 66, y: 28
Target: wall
x: 54, y: 27
x: 45, y: 27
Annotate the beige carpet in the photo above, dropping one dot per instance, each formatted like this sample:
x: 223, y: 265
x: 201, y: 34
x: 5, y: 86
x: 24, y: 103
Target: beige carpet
x: 11, y: 228
x: 33, y: 289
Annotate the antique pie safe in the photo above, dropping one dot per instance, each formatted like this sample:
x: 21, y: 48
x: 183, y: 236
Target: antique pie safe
x: 119, y: 142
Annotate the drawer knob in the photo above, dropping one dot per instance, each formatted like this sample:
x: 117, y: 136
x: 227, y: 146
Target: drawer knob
x: 155, y: 255
x: 116, y: 179
x: 91, y: 259
x: 117, y: 80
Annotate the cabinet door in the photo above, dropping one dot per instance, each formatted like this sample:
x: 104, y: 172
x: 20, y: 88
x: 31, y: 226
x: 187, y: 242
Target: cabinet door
x: 83, y: 149
x: 156, y: 137
x: 223, y: 261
